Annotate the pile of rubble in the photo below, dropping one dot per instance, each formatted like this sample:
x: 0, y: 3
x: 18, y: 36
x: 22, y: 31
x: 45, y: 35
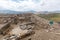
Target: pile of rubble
x: 24, y: 25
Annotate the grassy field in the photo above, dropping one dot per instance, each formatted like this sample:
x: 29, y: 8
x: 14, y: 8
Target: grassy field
x: 55, y: 17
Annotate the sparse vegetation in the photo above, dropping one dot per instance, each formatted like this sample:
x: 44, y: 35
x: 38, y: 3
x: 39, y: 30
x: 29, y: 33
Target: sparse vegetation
x: 55, y: 16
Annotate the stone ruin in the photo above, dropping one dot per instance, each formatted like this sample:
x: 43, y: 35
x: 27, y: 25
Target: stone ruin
x: 24, y: 24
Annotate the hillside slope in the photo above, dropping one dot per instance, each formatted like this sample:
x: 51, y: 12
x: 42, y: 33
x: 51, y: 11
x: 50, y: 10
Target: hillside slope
x: 55, y: 17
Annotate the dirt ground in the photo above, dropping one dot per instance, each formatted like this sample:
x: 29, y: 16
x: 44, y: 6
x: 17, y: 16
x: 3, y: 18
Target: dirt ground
x: 42, y: 34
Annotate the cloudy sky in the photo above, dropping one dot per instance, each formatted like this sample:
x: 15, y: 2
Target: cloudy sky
x: 25, y: 5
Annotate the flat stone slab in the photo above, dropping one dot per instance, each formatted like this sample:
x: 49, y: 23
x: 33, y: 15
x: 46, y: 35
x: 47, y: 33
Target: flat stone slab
x: 1, y: 26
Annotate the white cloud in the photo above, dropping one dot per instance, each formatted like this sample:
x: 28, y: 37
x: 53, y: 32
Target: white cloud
x: 51, y: 5
x: 31, y: 5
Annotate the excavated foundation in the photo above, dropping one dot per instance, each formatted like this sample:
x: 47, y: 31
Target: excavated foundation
x: 25, y: 27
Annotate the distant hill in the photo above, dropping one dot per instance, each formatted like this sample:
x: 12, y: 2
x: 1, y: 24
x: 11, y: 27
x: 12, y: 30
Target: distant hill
x: 9, y: 12
x: 15, y: 12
